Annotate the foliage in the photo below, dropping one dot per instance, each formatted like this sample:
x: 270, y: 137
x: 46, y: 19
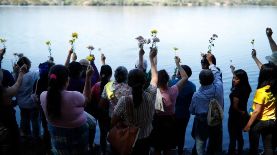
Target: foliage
x: 139, y: 2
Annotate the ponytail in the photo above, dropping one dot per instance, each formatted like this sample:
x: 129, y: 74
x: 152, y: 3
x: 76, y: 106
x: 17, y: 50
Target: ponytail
x: 136, y: 80
x: 105, y: 74
x: 137, y: 92
x: 58, y: 78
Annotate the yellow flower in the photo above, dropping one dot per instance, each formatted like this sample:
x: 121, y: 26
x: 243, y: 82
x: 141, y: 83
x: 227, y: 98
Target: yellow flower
x: 175, y: 49
x: 48, y: 43
x: 253, y: 41
x: 75, y: 35
x: 154, y: 31
x: 90, y: 58
x: 2, y: 40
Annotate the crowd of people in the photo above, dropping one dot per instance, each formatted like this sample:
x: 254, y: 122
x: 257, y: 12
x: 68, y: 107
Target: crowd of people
x: 68, y: 101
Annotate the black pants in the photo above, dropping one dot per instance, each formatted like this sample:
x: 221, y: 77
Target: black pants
x: 235, y: 135
x: 8, y: 119
x: 181, y: 124
x: 266, y: 129
x: 104, y: 126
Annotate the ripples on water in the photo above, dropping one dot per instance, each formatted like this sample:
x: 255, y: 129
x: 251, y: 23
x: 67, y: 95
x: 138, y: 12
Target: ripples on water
x: 113, y: 29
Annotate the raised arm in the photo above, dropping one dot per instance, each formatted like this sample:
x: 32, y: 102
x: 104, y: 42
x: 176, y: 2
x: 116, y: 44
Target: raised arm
x: 272, y: 43
x: 11, y: 91
x: 184, y: 77
x: 232, y: 68
x: 103, y: 59
x: 86, y: 91
x: 153, y: 62
x: 140, y: 65
x: 67, y: 61
x: 216, y: 72
x: 257, y: 61
x: 95, y: 75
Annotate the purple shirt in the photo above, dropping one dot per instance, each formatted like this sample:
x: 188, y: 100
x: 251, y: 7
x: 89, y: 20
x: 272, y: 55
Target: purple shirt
x: 72, y: 109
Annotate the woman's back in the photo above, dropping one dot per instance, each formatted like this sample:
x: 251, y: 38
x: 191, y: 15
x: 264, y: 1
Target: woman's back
x: 72, y: 109
x: 142, y: 115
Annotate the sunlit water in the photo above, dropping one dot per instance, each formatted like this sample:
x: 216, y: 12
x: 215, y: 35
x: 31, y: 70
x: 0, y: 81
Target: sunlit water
x: 113, y: 29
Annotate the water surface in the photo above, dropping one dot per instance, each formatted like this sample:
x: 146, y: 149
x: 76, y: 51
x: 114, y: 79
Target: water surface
x: 113, y: 29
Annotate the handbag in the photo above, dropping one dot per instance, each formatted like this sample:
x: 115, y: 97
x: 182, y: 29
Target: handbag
x: 123, y: 137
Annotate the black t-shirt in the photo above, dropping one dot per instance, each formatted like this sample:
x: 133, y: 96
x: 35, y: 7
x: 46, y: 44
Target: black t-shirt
x: 242, y: 94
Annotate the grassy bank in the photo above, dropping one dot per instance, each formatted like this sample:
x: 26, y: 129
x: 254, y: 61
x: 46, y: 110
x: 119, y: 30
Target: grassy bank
x: 141, y: 2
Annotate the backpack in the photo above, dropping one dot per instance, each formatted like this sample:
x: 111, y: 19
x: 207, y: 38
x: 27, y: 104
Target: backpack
x: 215, y: 111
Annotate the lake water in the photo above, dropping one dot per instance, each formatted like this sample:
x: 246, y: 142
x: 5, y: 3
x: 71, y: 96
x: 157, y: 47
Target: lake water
x: 113, y: 29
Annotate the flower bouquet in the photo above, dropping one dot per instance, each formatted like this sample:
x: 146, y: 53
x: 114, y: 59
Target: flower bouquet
x: 211, y: 41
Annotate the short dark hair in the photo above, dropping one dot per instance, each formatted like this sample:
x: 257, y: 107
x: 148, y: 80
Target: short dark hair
x: 121, y: 74
x: 206, y: 77
x: 24, y: 60
x: 163, y: 77
x: 204, y: 62
x: 187, y: 69
x: 74, y: 69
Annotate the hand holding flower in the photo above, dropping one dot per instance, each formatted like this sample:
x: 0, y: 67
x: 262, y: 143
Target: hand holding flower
x: 254, y: 53
x: 177, y: 60
x: 89, y: 71
x: 269, y: 32
x: 103, y: 59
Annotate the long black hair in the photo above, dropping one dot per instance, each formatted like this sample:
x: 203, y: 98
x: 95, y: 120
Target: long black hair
x: 268, y: 76
x: 136, y: 80
x: 57, y: 79
x: 244, y: 82
x: 105, y: 75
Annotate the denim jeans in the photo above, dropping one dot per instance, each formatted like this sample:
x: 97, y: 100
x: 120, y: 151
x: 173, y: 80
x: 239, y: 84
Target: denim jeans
x: 202, y: 132
x: 29, y: 116
x: 266, y: 129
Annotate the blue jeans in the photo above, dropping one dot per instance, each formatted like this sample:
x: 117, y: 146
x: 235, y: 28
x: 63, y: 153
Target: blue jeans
x: 202, y: 132
x: 266, y: 129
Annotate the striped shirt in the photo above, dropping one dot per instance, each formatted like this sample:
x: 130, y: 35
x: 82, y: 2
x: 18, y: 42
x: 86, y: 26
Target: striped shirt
x: 142, y: 115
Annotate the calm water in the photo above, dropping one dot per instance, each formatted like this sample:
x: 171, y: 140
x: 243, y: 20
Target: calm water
x: 113, y: 29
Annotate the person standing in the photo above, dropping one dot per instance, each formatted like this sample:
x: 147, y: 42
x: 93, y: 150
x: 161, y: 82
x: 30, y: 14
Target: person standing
x: 238, y: 115
x: 263, y: 111
x: 211, y: 87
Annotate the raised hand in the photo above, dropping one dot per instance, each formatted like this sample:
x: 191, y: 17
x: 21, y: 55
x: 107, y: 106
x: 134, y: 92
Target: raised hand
x: 177, y: 60
x: 103, y: 59
x: 269, y: 32
x: 209, y: 58
x: 254, y: 53
x: 74, y: 57
x: 23, y: 69
x: 153, y: 53
x: 89, y: 71
x: 232, y: 68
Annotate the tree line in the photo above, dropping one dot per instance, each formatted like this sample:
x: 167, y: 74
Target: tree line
x: 141, y: 2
